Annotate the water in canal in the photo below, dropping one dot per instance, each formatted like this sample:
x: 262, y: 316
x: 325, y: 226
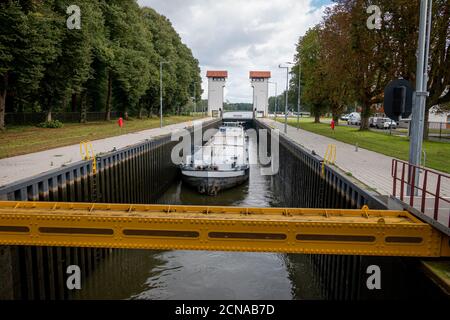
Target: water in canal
x: 145, y: 274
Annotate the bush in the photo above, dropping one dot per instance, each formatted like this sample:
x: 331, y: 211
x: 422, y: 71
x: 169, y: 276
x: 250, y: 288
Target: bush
x: 51, y: 124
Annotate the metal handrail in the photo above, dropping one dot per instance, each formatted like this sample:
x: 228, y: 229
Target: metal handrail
x: 407, y: 177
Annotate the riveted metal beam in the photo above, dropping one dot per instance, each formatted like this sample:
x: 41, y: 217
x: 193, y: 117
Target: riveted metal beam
x: 288, y: 230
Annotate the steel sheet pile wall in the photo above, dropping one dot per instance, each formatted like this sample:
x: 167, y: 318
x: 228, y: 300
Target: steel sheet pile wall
x: 40, y: 272
x: 139, y: 173
x: 69, y: 183
x: 301, y: 183
x: 135, y: 174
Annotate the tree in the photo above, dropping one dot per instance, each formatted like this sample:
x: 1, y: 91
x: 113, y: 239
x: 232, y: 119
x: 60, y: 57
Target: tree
x: 371, y: 66
x: 131, y: 47
x: 360, y: 62
x: 179, y: 74
x: 11, y: 17
x: 315, y: 94
x: 111, y: 63
x: 337, y: 80
x: 28, y: 37
x: 67, y: 75
x: 439, y: 71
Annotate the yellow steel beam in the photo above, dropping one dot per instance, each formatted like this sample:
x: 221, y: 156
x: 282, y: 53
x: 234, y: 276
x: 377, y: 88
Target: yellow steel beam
x: 315, y: 231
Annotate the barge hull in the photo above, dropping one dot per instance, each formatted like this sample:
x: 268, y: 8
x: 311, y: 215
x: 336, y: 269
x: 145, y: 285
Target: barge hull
x: 211, y: 182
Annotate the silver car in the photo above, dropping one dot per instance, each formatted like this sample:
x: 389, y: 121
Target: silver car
x: 386, y: 123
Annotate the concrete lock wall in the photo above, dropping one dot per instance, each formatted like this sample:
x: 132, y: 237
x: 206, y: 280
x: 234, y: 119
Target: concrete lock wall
x: 136, y: 174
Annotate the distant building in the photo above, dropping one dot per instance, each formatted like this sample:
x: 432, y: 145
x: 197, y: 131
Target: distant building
x: 216, y: 84
x: 437, y: 116
x: 260, y: 84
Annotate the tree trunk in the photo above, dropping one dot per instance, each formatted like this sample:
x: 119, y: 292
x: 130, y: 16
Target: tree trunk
x: 83, y: 108
x: 49, y: 110
x: 336, y: 119
x: 365, y: 114
x: 150, y: 112
x: 317, y: 118
x: 3, y: 92
x: 141, y: 111
x: 108, y: 98
x: 74, y: 102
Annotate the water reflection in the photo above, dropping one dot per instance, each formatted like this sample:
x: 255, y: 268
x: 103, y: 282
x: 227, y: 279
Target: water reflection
x: 217, y: 275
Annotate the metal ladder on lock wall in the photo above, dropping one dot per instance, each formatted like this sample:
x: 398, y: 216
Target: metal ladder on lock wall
x: 87, y: 154
x: 328, y: 158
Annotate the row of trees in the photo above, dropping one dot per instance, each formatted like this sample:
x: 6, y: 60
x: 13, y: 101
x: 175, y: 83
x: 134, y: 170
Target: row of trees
x: 111, y: 63
x: 345, y: 63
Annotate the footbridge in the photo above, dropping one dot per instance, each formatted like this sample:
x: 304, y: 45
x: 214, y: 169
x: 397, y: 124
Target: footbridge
x: 285, y: 230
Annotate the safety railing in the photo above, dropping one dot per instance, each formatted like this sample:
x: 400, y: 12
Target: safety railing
x: 424, y: 189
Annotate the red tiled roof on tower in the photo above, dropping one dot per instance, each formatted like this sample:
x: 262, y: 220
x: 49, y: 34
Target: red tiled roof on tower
x: 217, y: 74
x: 259, y: 74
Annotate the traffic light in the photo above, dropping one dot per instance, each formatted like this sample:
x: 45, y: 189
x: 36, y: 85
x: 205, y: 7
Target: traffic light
x: 398, y: 99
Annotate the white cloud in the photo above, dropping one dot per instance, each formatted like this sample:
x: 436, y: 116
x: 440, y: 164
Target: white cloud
x: 240, y: 35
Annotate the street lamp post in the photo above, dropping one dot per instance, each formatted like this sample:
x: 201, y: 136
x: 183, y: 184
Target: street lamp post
x: 195, y: 101
x: 286, y: 98
x: 298, y: 95
x: 418, y: 114
x: 161, y: 93
x: 276, y: 97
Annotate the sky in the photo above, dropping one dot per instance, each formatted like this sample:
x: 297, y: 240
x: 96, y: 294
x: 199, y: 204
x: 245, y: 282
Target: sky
x: 241, y: 35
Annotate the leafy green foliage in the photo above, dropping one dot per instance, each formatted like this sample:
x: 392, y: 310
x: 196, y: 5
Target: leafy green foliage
x: 53, y: 124
x: 354, y: 63
x: 111, y: 63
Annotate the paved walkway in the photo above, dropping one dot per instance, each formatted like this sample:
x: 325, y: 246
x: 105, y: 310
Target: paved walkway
x: 28, y: 165
x: 372, y: 168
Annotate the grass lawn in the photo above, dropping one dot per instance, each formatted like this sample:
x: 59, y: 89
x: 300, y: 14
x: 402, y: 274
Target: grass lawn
x: 26, y: 139
x: 438, y: 153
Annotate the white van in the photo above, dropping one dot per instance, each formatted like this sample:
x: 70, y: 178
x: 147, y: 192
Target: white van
x: 354, y: 118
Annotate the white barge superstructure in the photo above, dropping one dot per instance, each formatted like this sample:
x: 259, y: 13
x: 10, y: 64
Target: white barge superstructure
x: 222, y: 163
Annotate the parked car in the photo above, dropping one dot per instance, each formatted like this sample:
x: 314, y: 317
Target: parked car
x: 373, y: 121
x: 354, y: 118
x: 386, y: 123
x: 344, y: 117
x: 390, y: 124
